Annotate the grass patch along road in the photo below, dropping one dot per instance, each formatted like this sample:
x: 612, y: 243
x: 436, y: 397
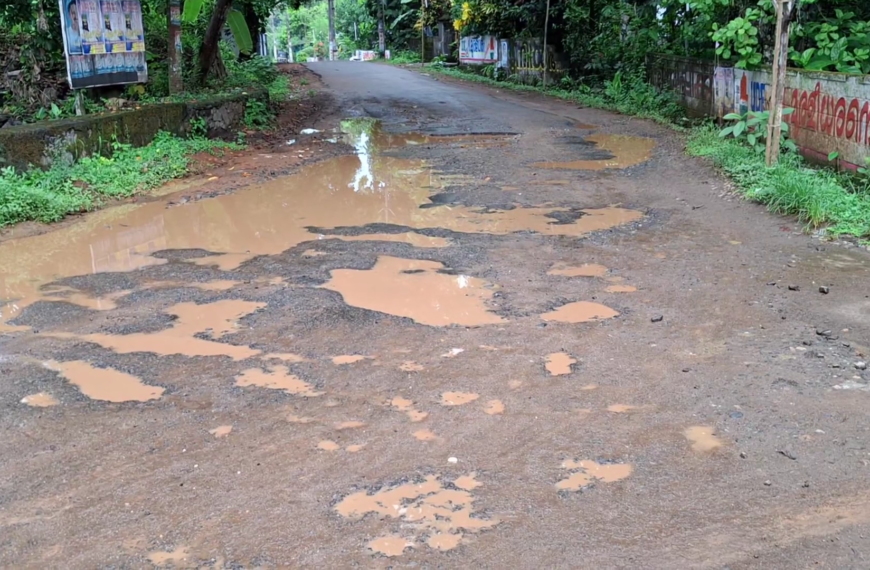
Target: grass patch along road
x: 49, y: 195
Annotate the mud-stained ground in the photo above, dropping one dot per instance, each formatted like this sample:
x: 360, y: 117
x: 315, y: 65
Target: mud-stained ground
x: 448, y: 328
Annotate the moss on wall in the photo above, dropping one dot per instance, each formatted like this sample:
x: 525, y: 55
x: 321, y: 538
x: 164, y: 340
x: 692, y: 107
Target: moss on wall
x: 43, y: 143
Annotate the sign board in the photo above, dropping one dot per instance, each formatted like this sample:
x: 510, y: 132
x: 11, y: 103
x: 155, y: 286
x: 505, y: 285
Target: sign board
x: 478, y: 49
x: 104, y: 42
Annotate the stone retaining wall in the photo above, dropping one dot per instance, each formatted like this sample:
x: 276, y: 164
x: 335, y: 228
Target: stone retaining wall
x: 46, y: 142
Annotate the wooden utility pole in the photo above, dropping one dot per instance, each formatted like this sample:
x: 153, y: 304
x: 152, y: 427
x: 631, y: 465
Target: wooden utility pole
x: 382, y: 30
x: 546, y: 77
x: 784, y: 13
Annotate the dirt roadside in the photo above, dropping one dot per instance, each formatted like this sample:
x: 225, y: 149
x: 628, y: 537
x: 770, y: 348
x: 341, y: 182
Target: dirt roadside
x: 442, y: 351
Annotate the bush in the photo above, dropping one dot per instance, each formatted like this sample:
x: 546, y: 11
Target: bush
x: 405, y: 57
x: 817, y: 197
x: 49, y: 195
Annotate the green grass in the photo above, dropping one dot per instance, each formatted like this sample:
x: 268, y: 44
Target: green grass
x: 49, y: 195
x: 816, y: 197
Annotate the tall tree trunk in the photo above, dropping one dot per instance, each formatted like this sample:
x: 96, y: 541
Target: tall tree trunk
x: 209, y: 52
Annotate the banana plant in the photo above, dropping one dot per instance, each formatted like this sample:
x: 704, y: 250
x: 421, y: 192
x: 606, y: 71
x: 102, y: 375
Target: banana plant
x: 235, y: 21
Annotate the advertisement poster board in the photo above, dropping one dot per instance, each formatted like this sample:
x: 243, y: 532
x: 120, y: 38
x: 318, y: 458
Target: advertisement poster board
x: 478, y: 49
x: 104, y: 42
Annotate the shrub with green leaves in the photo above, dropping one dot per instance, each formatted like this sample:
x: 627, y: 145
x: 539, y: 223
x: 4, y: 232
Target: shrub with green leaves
x: 49, y: 195
x: 751, y: 128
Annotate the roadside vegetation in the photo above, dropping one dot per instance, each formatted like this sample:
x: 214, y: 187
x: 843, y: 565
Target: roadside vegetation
x: 49, y: 195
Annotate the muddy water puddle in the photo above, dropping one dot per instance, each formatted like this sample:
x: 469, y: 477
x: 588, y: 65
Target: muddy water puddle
x: 559, y: 363
x: 458, y: 398
x: 106, y: 384
x: 40, y: 400
x: 276, y: 378
x: 429, y: 512
x: 405, y: 405
x: 266, y: 219
x: 390, y: 545
x: 580, y: 312
x: 702, y: 438
x: 416, y: 289
x: 221, y: 431
x: 344, y: 359
x: 586, y: 472
x: 627, y: 151
x: 214, y: 319
x: 620, y: 289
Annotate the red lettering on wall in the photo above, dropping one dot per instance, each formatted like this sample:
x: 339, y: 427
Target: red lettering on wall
x: 823, y: 113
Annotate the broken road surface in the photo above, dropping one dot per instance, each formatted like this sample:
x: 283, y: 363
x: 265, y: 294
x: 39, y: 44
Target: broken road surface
x: 474, y: 329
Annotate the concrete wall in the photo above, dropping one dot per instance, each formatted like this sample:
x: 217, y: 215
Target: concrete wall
x: 832, y: 110
x: 43, y: 143
x: 691, y: 79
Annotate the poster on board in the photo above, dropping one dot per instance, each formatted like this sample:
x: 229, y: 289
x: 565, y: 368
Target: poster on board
x: 104, y: 42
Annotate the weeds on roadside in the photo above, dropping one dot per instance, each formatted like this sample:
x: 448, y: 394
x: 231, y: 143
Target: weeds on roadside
x: 49, y: 195
x: 257, y: 114
x: 816, y: 197
x: 404, y: 57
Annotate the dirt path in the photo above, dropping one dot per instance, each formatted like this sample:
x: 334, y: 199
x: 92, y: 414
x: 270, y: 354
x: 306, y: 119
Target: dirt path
x: 495, y: 331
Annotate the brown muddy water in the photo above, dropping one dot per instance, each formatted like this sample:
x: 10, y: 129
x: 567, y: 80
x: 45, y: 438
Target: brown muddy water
x: 416, y: 289
x: 183, y: 337
x: 264, y: 219
x: 431, y: 513
x: 580, y: 312
x: 559, y: 363
x: 627, y: 151
x: 105, y: 384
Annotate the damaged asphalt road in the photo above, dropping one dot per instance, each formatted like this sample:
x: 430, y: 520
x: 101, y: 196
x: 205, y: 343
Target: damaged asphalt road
x: 486, y: 329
